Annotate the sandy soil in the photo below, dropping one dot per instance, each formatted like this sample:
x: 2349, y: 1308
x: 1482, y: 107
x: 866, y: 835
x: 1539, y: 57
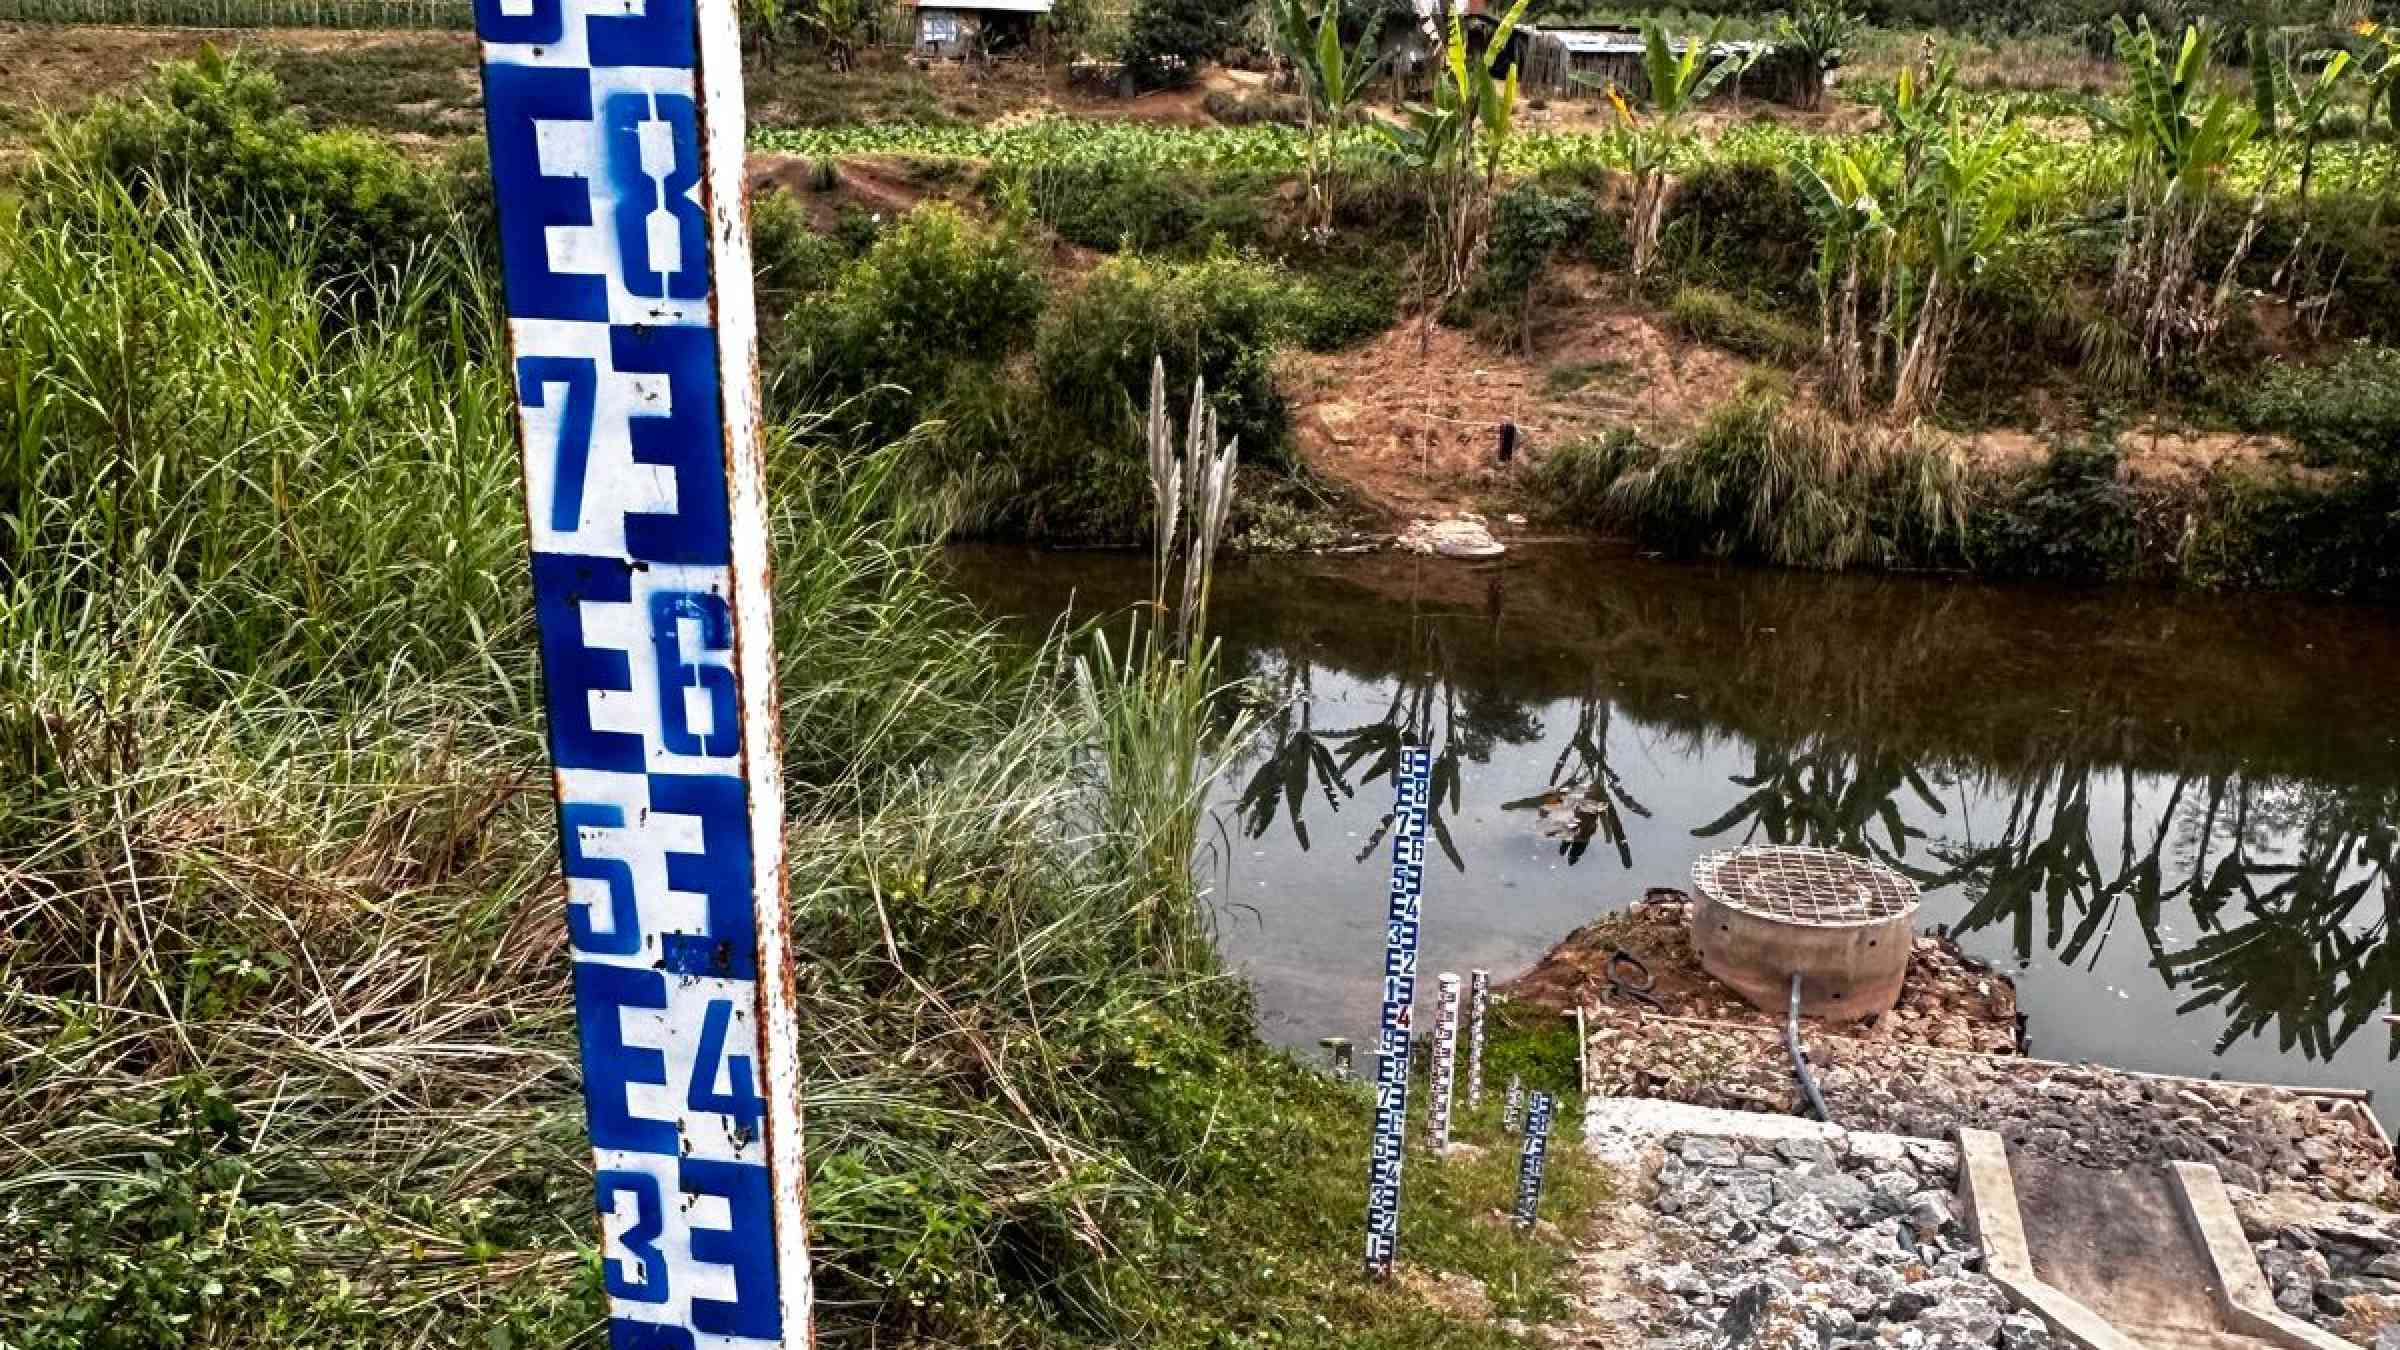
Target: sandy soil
x: 1411, y: 419
x: 63, y: 67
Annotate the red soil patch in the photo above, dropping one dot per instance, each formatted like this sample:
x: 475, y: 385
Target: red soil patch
x: 1411, y: 418
x: 1948, y: 1001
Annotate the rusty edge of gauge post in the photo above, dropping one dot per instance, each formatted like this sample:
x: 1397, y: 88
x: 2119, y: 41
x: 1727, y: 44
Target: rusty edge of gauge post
x: 616, y: 138
x: 1404, y: 903
x: 1479, y: 998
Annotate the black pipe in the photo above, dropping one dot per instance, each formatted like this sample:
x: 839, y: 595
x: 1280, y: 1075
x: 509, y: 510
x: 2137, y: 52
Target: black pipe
x: 1791, y: 1041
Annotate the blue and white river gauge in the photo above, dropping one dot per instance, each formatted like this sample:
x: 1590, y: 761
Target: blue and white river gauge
x: 1399, y: 1000
x: 616, y: 142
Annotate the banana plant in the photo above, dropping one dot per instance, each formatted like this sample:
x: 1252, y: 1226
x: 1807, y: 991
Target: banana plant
x: 1333, y: 84
x: 1844, y: 190
x: 2382, y: 78
x: 1821, y: 32
x: 1676, y: 83
x: 1959, y: 205
x: 2179, y: 139
x: 1455, y: 147
x: 2283, y: 110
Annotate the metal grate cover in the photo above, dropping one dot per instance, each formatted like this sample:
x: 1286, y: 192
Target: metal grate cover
x: 1800, y: 884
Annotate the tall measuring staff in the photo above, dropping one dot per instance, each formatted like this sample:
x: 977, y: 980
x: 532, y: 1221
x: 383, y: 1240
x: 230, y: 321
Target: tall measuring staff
x: 616, y: 142
x: 1399, y: 1000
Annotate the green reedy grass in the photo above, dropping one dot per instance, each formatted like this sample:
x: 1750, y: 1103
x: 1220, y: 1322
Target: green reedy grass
x: 285, y: 1037
x: 1714, y: 317
x: 1764, y: 481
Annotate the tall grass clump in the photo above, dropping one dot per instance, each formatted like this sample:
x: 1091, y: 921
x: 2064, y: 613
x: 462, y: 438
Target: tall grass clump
x: 1152, y: 703
x: 286, y: 1036
x: 1765, y: 481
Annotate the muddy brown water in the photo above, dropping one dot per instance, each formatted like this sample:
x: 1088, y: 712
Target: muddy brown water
x: 2173, y: 816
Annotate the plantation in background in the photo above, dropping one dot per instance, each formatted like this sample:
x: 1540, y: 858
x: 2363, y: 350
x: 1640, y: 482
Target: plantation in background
x: 445, y: 14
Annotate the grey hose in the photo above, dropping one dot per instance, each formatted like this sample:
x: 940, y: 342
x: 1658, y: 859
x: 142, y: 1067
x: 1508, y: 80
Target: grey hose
x: 1791, y: 1041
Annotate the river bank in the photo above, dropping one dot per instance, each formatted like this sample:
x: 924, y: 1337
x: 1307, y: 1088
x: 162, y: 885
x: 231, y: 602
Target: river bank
x: 2156, y: 813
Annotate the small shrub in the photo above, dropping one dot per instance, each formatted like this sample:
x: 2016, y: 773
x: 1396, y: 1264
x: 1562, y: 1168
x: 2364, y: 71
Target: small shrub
x: 1120, y: 204
x: 1531, y: 226
x: 1167, y: 41
x: 1744, y: 225
x: 787, y: 258
x: 1328, y: 313
x: 2346, y: 410
x: 937, y: 291
x: 1719, y: 319
x: 2072, y: 518
x: 2263, y: 527
x: 1221, y: 319
x: 214, y: 133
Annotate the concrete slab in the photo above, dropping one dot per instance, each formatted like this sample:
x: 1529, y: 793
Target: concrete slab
x: 1621, y: 1131
x: 2244, y: 1300
x: 2115, y: 1239
x: 1987, y: 1192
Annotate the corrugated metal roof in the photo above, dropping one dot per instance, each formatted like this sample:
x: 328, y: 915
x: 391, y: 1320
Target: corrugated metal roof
x: 1623, y: 42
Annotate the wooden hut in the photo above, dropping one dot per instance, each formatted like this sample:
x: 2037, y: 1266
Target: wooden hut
x: 1584, y: 62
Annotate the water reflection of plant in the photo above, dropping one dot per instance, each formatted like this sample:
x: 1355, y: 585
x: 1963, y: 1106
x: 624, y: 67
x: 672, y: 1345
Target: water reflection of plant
x: 1820, y: 793
x: 1423, y: 709
x: 2292, y: 889
x: 2292, y: 866
x: 2303, y: 957
x: 1592, y: 794
x: 2267, y: 900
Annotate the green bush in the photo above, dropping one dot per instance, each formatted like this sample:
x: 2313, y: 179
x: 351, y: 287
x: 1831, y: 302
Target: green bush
x: 1763, y: 481
x: 2346, y: 410
x: 788, y: 259
x: 2261, y: 527
x: 1331, y: 311
x: 2072, y: 518
x: 936, y: 292
x: 214, y: 133
x: 1113, y: 204
x: 1714, y: 317
x: 1530, y: 227
x: 1222, y: 318
x: 1167, y: 41
x: 1744, y: 226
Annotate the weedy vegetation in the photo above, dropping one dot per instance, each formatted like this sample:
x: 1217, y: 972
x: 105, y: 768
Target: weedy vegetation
x: 286, y: 1041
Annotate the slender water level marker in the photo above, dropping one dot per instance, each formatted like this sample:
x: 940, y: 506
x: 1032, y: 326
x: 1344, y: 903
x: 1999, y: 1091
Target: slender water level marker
x: 1530, y: 1161
x: 1445, y: 1060
x: 1399, y: 999
x: 1479, y: 998
x: 1512, y: 1104
x: 616, y: 149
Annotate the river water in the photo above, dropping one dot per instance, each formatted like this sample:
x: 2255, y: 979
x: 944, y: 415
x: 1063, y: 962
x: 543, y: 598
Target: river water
x: 2172, y: 816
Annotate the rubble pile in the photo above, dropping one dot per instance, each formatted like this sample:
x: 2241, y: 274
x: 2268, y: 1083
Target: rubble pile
x: 2259, y: 1138
x: 2336, y: 1267
x: 1950, y: 1000
x: 1804, y: 1243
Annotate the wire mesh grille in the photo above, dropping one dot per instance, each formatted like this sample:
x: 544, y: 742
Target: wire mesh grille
x: 1801, y: 884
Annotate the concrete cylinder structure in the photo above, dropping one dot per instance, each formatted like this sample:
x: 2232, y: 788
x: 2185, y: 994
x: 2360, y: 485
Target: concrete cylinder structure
x: 1844, y: 924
